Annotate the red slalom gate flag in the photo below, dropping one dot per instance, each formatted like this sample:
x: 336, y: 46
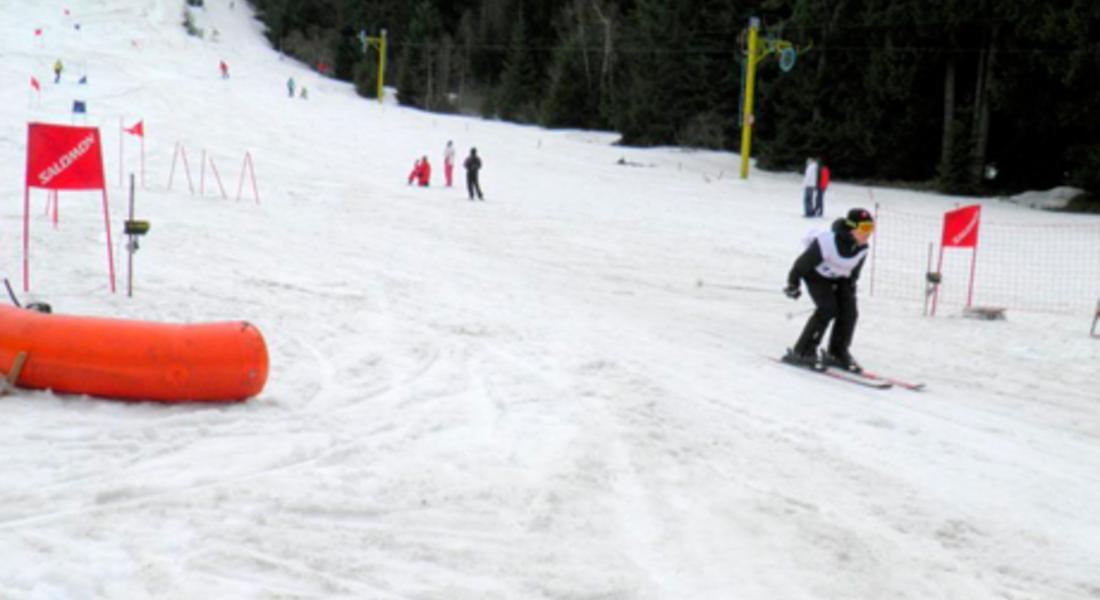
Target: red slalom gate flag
x: 63, y: 157
x: 35, y: 84
x: 960, y: 227
x: 138, y: 129
x: 38, y: 31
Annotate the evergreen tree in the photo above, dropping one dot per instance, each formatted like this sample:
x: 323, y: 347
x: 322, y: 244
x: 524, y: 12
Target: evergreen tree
x: 494, y: 28
x: 675, y: 80
x: 573, y: 98
x: 856, y: 82
x: 519, y: 83
x: 347, y: 54
x: 1046, y: 129
x: 953, y: 172
x: 709, y: 85
x: 644, y: 97
x: 416, y: 86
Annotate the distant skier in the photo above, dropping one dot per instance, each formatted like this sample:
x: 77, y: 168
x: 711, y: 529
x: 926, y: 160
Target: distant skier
x: 822, y: 185
x: 290, y: 87
x: 421, y: 173
x: 57, y: 68
x: 473, y: 166
x: 809, y: 187
x: 830, y: 266
x: 449, y: 162
x: 224, y: 68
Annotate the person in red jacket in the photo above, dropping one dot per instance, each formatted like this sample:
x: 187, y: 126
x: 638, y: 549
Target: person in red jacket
x: 822, y: 183
x: 425, y: 172
x: 421, y: 173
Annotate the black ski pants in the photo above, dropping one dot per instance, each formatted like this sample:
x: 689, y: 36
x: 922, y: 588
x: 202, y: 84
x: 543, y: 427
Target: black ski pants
x: 835, y: 302
x: 472, y: 185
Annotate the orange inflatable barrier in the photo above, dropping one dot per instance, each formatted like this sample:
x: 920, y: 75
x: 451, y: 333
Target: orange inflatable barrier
x: 133, y: 360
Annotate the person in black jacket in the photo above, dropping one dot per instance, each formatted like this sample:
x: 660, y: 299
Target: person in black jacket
x: 473, y: 165
x: 830, y: 266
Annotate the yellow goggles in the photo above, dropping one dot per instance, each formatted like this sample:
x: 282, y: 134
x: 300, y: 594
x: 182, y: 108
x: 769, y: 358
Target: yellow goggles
x: 864, y: 227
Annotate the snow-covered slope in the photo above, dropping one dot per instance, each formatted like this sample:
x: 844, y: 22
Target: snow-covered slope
x: 530, y: 397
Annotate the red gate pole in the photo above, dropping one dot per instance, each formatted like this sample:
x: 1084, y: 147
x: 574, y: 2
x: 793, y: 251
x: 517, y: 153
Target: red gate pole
x: 217, y: 177
x: 172, y: 171
x: 26, y: 239
x: 187, y: 169
x: 252, y: 175
x: 110, y: 252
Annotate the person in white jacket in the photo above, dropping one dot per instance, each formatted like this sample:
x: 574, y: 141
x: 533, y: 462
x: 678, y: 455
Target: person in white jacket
x: 809, y: 185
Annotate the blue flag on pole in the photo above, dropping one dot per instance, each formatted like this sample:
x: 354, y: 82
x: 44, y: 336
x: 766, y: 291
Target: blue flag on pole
x: 79, y: 107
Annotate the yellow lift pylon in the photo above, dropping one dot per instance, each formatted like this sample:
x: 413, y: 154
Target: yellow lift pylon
x: 378, y: 42
x: 755, y: 53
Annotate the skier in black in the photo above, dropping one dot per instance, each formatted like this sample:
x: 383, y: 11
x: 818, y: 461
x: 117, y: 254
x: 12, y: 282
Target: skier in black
x: 473, y: 165
x: 830, y: 266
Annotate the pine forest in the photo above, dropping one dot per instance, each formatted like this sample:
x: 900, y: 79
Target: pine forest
x: 958, y: 96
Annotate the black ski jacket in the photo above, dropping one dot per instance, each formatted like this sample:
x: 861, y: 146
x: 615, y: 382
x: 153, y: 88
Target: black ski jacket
x: 805, y: 266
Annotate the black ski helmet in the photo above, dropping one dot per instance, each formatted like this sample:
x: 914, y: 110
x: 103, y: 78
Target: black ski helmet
x: 857, y: 216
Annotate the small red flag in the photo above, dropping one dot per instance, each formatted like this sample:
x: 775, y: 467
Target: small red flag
x: 34, y: 83
x: 38, y: 31
x: 138, y: 129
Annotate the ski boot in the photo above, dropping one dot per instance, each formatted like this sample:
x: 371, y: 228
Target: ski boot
x: 840, y: 360
x: 807, y: 360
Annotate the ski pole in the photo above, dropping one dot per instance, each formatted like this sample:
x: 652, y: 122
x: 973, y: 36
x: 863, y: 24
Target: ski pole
x: 741, y: 288
x: 14, y: 300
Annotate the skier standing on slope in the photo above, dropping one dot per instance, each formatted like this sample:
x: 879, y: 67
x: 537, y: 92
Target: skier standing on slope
x: 809, y: 187
x: 473, y: 167
x: 830, y: 266
x: 449, y: 162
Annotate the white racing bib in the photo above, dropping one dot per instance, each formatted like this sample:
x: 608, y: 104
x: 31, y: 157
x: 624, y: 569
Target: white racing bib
x: 833, y: 265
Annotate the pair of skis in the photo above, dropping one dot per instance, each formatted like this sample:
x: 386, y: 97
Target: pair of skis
x: 864, y: 378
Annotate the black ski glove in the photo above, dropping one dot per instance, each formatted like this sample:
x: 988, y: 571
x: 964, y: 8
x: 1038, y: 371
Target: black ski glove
x: 792, y: 291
